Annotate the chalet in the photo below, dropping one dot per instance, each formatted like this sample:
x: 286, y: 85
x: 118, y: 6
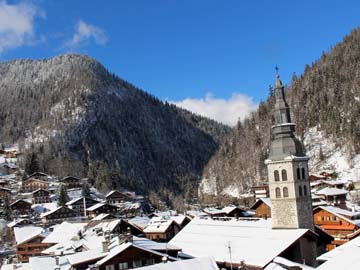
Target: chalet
x: 71, y: 182
x: 4, y: 183
x: 117, y: 197
x: 5, y: 193
x: 334, y: 196
x: 161, y: 229
x: 101, y: 208
x: 58, y: 215
x: 214, y: 212
x: 129, y: 255
x: 130, y: 209
x: 19, y: 223
x: 343, y: 225
x: 29, y: 242
x: 234, y: 211
x: 260, y: 191
x: 78, y: 204
x: 32, y: 184
x: 40, y: 196
x: 21, y: 207
x: 316, y: 177
x: 39, y: 175
x: 104, y: 217
x: 262, y: 208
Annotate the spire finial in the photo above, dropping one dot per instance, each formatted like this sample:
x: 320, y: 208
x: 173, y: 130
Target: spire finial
x: 278, y: 83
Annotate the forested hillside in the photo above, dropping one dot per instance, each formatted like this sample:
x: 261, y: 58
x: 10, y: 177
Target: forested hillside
x: 325, y: 105
x: 71, y: 116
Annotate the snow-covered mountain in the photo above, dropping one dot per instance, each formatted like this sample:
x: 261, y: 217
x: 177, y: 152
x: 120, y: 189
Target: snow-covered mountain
x: 71, y: 116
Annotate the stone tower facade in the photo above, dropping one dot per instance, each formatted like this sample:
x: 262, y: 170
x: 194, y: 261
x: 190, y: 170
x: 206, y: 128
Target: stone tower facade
x: 287, y: 167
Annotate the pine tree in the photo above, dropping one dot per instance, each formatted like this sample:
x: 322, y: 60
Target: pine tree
x: 32, y: 164
x: 85, y: 192
x: 63, y: 198
x: 7, y: 209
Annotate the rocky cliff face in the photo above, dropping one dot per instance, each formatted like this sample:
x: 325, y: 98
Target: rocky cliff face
x: 80, y: 119
x: 325, y: 104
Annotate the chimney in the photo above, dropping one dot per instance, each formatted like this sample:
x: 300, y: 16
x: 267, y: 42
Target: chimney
x: 105, y: 246
x: 57, y: 260
x: 353, y: 209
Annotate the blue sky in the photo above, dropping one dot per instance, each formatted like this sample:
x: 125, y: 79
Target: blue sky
x: 214, y: 57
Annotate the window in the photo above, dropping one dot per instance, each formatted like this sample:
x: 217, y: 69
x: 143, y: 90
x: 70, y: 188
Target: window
x: 276, y: 175
x: 303, y: 173
x: 277, y: 192
x: 305, y: 191
x: 110, y: 267
x: 123, y: 265
x: 284, y: 175
x: 298, y: 173
x: 285, y: 192
x: 137, y: 263
x: 300, y: 191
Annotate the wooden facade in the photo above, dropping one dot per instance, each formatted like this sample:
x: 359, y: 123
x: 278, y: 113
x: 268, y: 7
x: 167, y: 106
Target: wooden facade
x: 21, y: 207
x: 32, y: 184
x: 132, y: 257
x: 78, y: 205
x: 101, y: 208
x: 32, y: 247
x: 262, y: 209
x: 117, y: 197
x: 58, y: 215
x: 41, y: 196
x: 71, y: 182
x: 153, y: 233
x: 340, y: 227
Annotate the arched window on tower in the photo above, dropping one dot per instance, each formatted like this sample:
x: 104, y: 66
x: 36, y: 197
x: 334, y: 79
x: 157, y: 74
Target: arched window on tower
x: 303, y: 173
x: 305, y: 191
x: 284, y: 175
x: 276, y: 175
x: 298, y: 173
x: 277, y: 192
x: 300, y: 191
x: 285, y: 192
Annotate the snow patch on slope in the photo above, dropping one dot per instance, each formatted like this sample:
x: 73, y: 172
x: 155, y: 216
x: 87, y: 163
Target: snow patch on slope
x: 325, y: 154
x: 208, y: 186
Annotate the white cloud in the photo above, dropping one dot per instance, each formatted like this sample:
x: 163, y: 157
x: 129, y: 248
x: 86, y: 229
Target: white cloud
x: 17, y: 24
x: 226, y: 111
x: 85, y: 32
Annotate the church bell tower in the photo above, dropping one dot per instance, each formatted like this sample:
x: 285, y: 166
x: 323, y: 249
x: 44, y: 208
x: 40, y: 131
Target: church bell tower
x: 288, y: 174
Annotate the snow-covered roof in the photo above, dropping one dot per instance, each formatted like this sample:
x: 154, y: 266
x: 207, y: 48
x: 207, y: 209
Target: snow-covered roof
x: 229, y: 209
x: 345, y: 256
x: 341, y: 214
x: 88, y: 255
x: 140, y: 222
x: 214, y: 211
x: 247, y: 238
x: 149, y: 244
x: 65, y: 231
x: 178, y: 219
x: 95, y: 206
x: 204, y: 263
x: 267, y: 201
x: 44, y: 207
x: 103, y: 216
x: 26, y: 233
x: 158, y: 225
x: 280, y: 263
x: 107, y: 225
x: 47, y: 263
x: 328, y: 191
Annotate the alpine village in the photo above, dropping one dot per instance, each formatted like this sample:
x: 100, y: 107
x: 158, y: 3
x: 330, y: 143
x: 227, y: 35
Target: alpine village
x: 96, y: 174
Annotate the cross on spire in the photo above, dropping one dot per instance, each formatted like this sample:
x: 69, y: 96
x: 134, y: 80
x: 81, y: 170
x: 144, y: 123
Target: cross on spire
x: 277, y: 71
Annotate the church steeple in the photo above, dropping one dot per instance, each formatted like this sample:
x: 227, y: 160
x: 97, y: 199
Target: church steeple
x: 287, y: 170
x: 284, y: 142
